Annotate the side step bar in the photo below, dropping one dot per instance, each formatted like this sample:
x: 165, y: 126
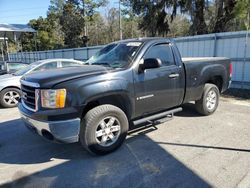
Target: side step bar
x: 157, y: 116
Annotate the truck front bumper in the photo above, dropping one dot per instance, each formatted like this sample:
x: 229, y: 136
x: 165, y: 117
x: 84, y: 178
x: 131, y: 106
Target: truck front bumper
x: 65, y: 131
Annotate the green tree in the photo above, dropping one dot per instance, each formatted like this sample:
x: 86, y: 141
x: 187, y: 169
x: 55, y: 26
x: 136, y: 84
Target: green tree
x: 130, y: 27
x: 72, y: 23
x: 224, y: 13
x: 196, y: 9
x: 153, y: 16
x: 113, y: 24
x: 74, y: 15
x: 179, y: 26
x: 45, y: 39
x: 56, y: 7
x: 242, y: 10
x: 49, y: 34
x: 96, y: 30
x: 54, y: 13
x: 130, y: 21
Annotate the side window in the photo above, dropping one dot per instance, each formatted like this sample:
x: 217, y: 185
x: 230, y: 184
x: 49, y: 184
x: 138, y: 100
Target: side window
x: 69, y: 64
x: 163, y: 52
x: 16, y: 66
x: 47, y: 66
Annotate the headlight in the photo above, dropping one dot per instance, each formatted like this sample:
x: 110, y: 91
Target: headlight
x: 53, y: 98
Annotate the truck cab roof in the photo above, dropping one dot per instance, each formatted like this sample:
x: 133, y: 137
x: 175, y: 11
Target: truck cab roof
x: 146, y: 39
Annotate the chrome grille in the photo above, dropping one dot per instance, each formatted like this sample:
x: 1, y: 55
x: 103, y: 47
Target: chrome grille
x: 29, y: 96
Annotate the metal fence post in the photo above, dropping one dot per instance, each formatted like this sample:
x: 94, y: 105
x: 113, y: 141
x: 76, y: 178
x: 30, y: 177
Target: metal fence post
x: 215, y: 45
x: 244, y: 60
x: 87, y: 53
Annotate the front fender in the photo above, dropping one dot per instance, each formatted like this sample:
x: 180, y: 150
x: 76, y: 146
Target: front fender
x: 101, y: 89
x: 82, y: 91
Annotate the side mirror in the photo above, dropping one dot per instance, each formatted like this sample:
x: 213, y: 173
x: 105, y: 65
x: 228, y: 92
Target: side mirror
x: 150, y: 63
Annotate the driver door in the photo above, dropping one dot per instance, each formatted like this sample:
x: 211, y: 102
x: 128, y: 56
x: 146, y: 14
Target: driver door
x: 158, y: 88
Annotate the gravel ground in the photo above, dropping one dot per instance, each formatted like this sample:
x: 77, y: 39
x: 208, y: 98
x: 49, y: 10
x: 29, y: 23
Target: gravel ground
x: 188, y: 151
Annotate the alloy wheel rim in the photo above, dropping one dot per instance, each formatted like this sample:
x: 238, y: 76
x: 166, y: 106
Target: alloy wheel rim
x: 108, y: 131
x: 211, y: 100
x: 11, y: 97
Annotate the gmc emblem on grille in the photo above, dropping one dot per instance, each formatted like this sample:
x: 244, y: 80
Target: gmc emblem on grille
x: 24, y: 95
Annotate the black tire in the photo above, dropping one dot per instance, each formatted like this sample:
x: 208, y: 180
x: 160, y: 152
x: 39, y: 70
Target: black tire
x: 92, y: 121
x: 202, y: 106
x: 4, y: 93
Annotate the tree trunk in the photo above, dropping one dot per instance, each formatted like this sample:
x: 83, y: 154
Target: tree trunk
x: 199, y: 26
x: 223, y: 15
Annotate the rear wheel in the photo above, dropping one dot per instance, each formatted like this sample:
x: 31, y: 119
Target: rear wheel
x: 209, y: 100
x: 9, y: 97
x: 103, y: 129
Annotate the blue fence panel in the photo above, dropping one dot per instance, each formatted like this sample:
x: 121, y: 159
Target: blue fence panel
x: 229, y: 44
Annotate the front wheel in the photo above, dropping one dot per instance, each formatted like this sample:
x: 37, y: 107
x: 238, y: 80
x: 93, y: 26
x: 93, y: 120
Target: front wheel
x: 103, y: 129
x: 9, y: 97
x: 209, y: 100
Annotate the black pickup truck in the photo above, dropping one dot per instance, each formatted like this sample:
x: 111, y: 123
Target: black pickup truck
x: 126, y: 83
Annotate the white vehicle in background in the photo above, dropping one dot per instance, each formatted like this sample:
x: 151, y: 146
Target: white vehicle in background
x: 10, y: 91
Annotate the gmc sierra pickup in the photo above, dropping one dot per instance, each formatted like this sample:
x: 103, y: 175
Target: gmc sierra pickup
x: 126, y: 83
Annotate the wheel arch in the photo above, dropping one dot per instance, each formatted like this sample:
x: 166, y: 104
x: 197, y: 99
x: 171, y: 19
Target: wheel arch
x: 10, y: 87
x: 215, y: 74
x: 216, y: 80
x: 119, y: 100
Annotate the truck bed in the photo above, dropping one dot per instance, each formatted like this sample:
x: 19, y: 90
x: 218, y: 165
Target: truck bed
x: 201, y: 69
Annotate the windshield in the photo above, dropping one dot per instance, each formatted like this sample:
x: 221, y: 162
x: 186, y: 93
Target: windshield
x: 27, y: 68
x: 117, y: 55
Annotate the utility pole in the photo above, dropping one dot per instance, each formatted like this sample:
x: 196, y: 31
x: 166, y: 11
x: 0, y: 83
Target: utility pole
x: 120, y: 20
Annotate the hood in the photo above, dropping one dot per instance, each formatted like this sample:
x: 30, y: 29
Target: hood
x: 8, y: 77
x: 8, y: 80
x: 49, y: 78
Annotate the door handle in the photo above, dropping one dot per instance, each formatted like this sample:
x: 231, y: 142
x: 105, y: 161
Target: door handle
x: 173, y: 75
